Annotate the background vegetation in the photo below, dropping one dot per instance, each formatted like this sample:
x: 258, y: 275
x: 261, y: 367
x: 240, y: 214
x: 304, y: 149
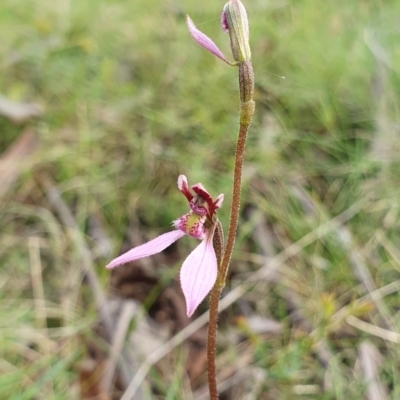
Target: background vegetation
x: 121, y: 101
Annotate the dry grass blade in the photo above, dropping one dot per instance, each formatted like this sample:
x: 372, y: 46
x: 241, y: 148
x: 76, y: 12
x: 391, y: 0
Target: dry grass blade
x: 129, y: 309
x: 37, y: 283
x: 389, y: 247
x: 347, y: 310
x: 370, y: 360
x: 54, y: 198
x: 86, y: 264
x: 19, y: 112
x: 295, y: 248
x: 386, y: 136
x: 373, y: 329
x: 357, y: 262
x: 258, y: 377
x: 361, y: 271
x: 160, y: 353
x: 12, y: 160
x: 261, y: 233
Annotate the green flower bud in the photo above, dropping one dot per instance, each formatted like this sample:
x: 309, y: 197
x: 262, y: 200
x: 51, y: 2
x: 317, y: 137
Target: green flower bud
x: 234, y: 20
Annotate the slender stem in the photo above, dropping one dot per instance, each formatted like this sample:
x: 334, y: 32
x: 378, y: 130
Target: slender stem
x: 224, y: 261
x: 218, y: 242
x: 246, y: 91
x: 235, y: 206
x: 212, y: 341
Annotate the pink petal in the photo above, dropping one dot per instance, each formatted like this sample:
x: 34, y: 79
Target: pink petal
x: 147, y: 249
x: 219, y: 200
x: 198, y: 274
x: 184, y: 187
x: 204, y: 41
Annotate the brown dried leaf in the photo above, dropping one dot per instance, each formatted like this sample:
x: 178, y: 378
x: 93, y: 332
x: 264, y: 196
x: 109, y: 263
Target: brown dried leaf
x: 370, y: 360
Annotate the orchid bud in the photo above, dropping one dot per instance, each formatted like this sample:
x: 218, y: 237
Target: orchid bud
x: 234, y: 20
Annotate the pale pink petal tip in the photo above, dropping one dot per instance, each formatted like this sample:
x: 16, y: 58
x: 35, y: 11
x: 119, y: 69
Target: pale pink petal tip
x: 182, y: 182
x: 219, y: 200
x: 147, y: 249
x: 183, y: 186
x: 198, y: 274
x: 204, y: 41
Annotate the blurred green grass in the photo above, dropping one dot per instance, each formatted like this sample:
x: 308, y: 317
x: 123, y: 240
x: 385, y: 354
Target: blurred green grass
x: 131, y: 102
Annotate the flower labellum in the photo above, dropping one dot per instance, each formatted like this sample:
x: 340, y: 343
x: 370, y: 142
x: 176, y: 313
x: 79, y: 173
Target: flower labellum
x: 199, y: 270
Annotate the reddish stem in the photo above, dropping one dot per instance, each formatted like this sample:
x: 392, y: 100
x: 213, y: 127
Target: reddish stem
x: 246, y: 88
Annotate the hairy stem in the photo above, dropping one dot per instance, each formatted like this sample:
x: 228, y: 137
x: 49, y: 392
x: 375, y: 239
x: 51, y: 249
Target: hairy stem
x: 246, y: 89
x: 218, y: 242
x: 212, y: 341
x: 224, y: 261
x: 235, y: 206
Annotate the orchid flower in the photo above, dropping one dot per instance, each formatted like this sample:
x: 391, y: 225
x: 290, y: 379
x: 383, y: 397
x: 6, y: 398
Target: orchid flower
x: 199, y: 270
x: 233, y: 21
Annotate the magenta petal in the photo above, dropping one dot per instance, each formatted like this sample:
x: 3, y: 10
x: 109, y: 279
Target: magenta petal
x: 198, y: 274
x: 224, y: 21
x: 147, y: 249
x: 204, y: 41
